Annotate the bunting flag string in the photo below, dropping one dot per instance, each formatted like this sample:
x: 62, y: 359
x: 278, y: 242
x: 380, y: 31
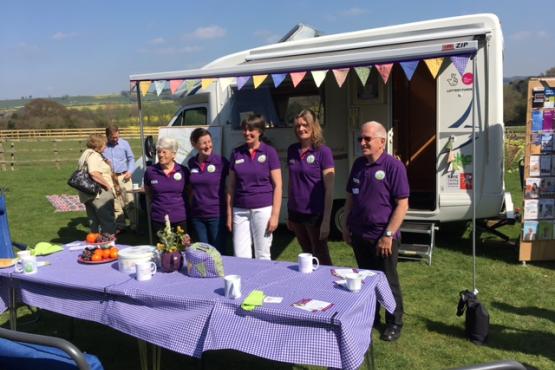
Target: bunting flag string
x: 434, y: 65
x: 384, y: 70
x: 241, y: 81
x: 159, y: 85
x: 409, y: 67
x: 297, y: 77
x: 144, y: 86
x: 460, y: 63
x: 363, y: 73
x: 319, y: 76
x: 278, y: 78
x: 340, y: 75
x: 257, y: 80
x: 206, y: 82
x: 175, y: 84
x: 179, y: 86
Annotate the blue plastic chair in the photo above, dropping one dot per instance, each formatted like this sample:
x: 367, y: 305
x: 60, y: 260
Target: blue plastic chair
x: 6, y: 243
x: 25, y: 351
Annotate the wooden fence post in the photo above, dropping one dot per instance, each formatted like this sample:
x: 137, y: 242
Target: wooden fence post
x: 56, y: 154
x: 12, y: 156
x: 2, y: 158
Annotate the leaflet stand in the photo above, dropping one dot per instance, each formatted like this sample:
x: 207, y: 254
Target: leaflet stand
x: 538, y: 234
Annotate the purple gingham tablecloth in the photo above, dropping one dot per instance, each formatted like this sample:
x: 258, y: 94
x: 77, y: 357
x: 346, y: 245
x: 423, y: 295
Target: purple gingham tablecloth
x: 191, y: 315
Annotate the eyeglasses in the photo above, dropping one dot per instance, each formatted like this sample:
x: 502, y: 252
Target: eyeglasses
x: 367, y: 139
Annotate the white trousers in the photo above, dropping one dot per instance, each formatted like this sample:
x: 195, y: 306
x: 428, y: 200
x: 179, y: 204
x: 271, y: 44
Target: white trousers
x: 249, y: 226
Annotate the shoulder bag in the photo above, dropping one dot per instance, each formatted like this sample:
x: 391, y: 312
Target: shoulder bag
x: 82, y: 181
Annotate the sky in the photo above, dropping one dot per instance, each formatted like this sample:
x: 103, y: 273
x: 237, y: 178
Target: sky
x: 76, y: 47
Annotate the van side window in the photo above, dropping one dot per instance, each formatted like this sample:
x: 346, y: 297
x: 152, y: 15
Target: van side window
x: 192, y: 117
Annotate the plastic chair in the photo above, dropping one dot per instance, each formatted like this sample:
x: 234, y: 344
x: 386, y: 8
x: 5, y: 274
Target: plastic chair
x: 25, y: 351
x: 6, y: 243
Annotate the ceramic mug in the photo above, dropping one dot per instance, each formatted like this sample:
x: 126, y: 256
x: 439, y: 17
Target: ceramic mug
x: 27, y: 265
x: 307, y: 263
x: 354, y: 282
x: 232, y: 286
x: 24, y: 253
x: 145, y: 270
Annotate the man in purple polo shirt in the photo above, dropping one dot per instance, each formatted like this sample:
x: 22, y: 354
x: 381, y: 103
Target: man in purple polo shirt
x: 376, y: 204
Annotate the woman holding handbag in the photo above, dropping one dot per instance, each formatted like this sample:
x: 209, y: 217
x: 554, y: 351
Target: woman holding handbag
x: 99, y: 207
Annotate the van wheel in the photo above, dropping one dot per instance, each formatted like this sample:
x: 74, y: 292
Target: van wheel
x: 337, y: 213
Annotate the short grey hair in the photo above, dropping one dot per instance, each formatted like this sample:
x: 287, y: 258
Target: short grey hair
x: 167, y: 143
x: 381, y: 132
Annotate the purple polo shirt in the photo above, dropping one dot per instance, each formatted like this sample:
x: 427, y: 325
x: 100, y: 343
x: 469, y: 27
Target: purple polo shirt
x: 306, y: 181
x: 168, y: 192
x: 374, y: 188
x: 253, y: 184
x: 208, y: 186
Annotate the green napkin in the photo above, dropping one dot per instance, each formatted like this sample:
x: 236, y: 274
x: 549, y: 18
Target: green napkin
x: 45, y: 248
x: 253, y: 300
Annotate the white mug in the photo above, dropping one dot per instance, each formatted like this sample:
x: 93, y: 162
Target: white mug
x: 145, y: 270
x: 135, y: 186
x: 354, y: 281
x: 308, y: 263
x: 232, y: 286
x: 24, y: 253
x: 27, y: 265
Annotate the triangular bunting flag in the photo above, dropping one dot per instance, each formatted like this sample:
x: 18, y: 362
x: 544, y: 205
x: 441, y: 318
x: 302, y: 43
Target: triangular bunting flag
x: 340, y: 75
x: 189, y: 85
x: 278, y: 78
x: 434, y: 65
x: 241, y: 81
x: 225, y: 82
x: 409, y: 67
x: 363, y: 73
x: 297, y: 77
x: 460, y: 63
x: 258, y: 80
x: 144, y: 86
x: 159, y: 85
x: 206, y: 82
x: 132, y: 86
x: 319, y: 76
x: 174, y: 85
x: 385, y: 70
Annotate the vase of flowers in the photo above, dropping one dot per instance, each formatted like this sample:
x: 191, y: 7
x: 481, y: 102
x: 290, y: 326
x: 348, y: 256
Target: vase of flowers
x: 171, y: 245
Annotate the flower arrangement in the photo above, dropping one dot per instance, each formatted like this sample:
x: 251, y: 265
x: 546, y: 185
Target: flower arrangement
x: 172, y: 241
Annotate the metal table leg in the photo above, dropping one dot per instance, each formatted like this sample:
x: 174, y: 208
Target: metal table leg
x: 13, y: 309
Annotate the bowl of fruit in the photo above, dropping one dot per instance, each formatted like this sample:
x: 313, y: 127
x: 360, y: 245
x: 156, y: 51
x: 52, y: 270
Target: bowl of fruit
x: 95, y: 255
x: 102, y: 240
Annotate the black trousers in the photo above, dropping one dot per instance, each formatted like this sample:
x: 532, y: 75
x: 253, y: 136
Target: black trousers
x: 365, y: 254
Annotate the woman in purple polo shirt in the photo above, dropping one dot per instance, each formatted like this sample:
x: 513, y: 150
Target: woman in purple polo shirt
x: 208, y: 173
x: 311, y: 180
x: 165, y: 184
x: 254, y: 192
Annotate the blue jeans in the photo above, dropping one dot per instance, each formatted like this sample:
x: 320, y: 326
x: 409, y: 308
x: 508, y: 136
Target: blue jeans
x: 211, y: 231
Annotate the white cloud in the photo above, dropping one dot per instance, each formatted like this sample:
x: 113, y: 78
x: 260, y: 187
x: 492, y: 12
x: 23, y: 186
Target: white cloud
x: 267, y: 36
x: 207, y: 33
x: 528, y: 35
x: 170, y: 50
x: 157, y: 41
x: 63, y: 35
x: 353, y: 12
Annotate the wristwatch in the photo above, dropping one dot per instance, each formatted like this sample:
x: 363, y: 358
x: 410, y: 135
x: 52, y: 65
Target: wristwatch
x: 388, y: 233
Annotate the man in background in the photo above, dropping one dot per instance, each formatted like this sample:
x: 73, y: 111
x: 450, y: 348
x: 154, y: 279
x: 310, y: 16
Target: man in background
x: 119, y: 153
x: 376, y: 204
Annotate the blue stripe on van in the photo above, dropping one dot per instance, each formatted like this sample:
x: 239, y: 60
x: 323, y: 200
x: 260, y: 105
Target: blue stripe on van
x: 463, y: 118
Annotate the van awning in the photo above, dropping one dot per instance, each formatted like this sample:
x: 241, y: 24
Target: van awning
x: 354, y: 57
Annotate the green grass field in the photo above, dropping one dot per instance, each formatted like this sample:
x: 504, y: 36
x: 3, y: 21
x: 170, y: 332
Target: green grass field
x: 520, y: 299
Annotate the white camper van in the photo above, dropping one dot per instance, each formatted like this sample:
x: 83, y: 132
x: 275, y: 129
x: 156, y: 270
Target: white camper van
x: 430, y: 119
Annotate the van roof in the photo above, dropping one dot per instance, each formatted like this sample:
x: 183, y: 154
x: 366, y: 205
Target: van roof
x: 419, y: 40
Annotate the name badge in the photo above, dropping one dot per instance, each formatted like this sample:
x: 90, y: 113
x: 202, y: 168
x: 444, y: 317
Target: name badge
x: 154, y: 182
x: 310, y: 159
x: 262, y: 158
x: 211, y: 168
x: 194, y: 170
x: 239, y: 161
x: 355, y: 190
x: 177, y: 176
x: 380, y: 175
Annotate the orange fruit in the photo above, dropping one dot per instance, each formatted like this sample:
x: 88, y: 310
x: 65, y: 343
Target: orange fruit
x: 106, y: 253
x: 98, y: 251
x: 96, y: 257
x: 114, y: 252
x: 91, y: 237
